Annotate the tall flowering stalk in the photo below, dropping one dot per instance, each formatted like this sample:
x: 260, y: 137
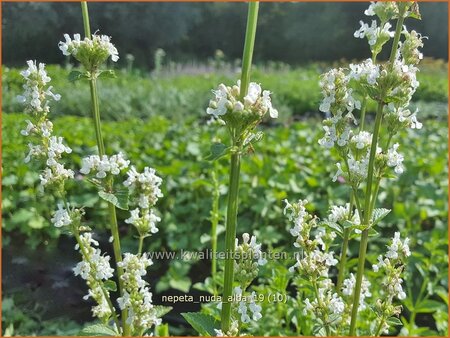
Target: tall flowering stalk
x: 240, y: 108
x: 91, y: 66
x: 141, y: 190
x: 365, y: 159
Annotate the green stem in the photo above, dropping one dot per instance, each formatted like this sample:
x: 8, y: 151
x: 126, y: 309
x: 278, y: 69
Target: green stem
x: 96, y: 116
x: 101, y: 151
x: 214, y: 223
x: 230, y: 237
x: 141, y: 243
x: 85, y: 12
x: 363, y: 113
x: 232, y: 208
x: 343, y: 259
x: 249, y: 45
x: 367, y: 216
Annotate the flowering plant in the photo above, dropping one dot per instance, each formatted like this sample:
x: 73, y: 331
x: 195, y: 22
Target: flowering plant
x: 366, y: 158
x: 140, y: 190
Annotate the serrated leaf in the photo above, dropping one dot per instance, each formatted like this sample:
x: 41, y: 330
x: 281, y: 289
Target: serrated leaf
x: 107, y: 74
x: 162, y: 310
x: 97, y: 330
x: 414, y: 12
x: 162, y: 330
x: 394, y: 321
x: 336, y: 227
x: 379, y: 214
x: 76, y: 75
x: 202, y: 323
x: 110, y: 285
x: 118, y: 198
x: 217, y: 151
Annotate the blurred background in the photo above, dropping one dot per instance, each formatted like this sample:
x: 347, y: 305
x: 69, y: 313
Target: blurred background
x: 294, y: 33
x: 171, y: 56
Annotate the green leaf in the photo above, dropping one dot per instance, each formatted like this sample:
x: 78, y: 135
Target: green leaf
x: 379, y: 214
x: 182, y: 284
x: 162, y: 330
x: 97, y: 330
x: 394, y: 321
x: 162, y: 310
x: 373, y: 232
x: 110, y: 285
x: 334, y: 226
x: 428, y: 306
x: 204, y: 324
x: 76, y: 75
x: 119, y: 198
x: 107, y: 74
x: 414, y: 12
x: 218, y: 150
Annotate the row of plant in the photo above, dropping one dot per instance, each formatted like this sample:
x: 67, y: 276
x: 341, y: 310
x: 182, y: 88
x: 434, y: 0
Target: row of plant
x: 296, y: 91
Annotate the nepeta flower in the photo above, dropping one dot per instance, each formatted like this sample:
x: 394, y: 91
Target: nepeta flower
x: 106, y: 164
x: 348, y: 288
x: 376, y: 36
x: 385, y: 10
x: 144, y: 221
x: 393, y: 264
x: 36, y: 94
x: 395, y: 159
x: 94, y: 268
x: 137, y: 297
x: 362, y: 140
x: 90, y: 52
x: 367, y: 71
x: 254, y: 106
x: 61, y: 217
x: 146, y: 185
x: 248, y: 258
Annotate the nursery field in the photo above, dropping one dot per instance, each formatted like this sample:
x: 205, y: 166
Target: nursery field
x: 159, y: 120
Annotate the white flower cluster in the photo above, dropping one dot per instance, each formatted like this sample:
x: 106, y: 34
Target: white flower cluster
x: 398, y: 117
x: 362, y: 140
x: 137, y: 298
x: 348, y: 288
x: 104, y: 165
x: 365, y: 71
x: 374, y: 33
x: 316, y: 260
x: 51, y: 148
x: 90, y: 52
x: 233, y: 332
x: 337, y: 98
x: 146, y: 186
x: 297, y: 214
x: 226, y: 100
x: 145, y: 223
x: 36, y: 94
x: 61, y: 217
x: 395, y: 159
x: 248, y: 258
x: 246, y: 303
x: 339, y: 213
x: 383, y: 9
x: 393, y: 264
x: 332, y: 301
x: 94, y: 268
